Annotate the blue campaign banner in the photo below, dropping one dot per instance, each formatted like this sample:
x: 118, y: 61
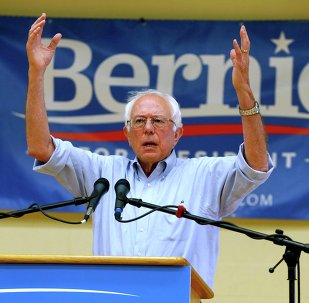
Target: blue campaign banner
x: 99, y: 61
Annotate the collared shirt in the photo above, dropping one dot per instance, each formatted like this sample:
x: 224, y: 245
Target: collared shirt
x: 210, y: 187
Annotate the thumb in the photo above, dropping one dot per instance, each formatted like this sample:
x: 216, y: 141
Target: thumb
x: 54, y: 42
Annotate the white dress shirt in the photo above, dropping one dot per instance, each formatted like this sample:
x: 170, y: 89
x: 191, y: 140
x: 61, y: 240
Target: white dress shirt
x: 210, y: 187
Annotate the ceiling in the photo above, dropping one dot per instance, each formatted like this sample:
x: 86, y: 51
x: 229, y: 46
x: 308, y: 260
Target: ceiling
x: 161, y: 9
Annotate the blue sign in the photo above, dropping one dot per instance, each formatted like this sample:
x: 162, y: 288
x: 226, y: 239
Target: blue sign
x: 99, y: 61
x: 78, y: 283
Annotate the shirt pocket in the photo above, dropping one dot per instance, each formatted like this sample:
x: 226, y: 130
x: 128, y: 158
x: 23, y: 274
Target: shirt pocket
x: 172, y: 228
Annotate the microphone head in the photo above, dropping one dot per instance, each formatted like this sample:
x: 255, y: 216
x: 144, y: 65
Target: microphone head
x: 122, y: 186
x: 101, y: 186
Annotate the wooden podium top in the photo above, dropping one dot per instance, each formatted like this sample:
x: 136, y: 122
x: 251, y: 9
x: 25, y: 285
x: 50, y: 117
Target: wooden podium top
x: 197, y: 283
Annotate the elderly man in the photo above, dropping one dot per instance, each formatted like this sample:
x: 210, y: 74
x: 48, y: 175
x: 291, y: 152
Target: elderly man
x: 209, y: 187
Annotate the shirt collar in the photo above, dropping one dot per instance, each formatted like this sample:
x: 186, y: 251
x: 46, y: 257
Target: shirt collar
x: 163, y: 168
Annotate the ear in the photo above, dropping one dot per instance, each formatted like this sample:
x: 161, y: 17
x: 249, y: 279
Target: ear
x: 126, y: 133
x: 178, y: 133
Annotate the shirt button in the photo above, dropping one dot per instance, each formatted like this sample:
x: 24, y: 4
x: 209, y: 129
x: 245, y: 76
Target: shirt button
x: 148, y: 184
x: 141, y: 229
x: 139, y: 254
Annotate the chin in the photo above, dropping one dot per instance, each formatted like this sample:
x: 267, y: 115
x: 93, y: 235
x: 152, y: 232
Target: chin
x: 149, y: 157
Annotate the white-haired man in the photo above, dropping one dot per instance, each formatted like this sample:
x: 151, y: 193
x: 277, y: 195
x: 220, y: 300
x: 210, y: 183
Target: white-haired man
x: 209, y: 187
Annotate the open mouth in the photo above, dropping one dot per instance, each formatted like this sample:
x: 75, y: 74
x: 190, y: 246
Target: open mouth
x: 149, y: 144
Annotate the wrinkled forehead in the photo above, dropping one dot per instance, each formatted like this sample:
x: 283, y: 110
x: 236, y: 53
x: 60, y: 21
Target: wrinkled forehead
x: 151, y: 105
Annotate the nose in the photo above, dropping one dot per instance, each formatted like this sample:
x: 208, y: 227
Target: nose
x: 149, y: 128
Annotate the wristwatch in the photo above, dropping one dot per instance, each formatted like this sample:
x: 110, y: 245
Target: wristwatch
x: 252, y: 111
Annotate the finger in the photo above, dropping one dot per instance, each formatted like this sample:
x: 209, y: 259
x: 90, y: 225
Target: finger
x: 34, y: 36
x: 233, y: 56
x: 39, y: 20
x: 37, y: 27
x: 244, y: 38
x: 236, y: 48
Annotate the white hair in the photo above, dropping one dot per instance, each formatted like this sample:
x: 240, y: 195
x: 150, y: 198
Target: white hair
x: 173, y: 104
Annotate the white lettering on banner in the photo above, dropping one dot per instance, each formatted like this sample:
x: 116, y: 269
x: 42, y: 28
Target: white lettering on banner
x: 213, y: 105
x: 253, y: 200
x: 283, y: 85
x: 83, y: 87
x: 218, y: 66
x: 105, y: 152
x: 287, y: 158
x: 303, y: 87
x: 167, y: 67
x: 282, y: 159
x: 103, y: 81
x: 202, y: 153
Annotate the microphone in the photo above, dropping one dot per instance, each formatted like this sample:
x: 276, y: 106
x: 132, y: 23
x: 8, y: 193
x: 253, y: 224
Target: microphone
x: 122, y: 187
x: 100, y: 187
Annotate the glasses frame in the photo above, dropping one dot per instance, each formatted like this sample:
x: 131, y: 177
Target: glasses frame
x: 166, y: 120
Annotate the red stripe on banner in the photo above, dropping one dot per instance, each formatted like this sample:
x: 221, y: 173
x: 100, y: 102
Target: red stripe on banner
x: 110, y: 136
x: 212, y: 129
x: 189, y: 131
x: 286, y: 130
x: 236, y: 129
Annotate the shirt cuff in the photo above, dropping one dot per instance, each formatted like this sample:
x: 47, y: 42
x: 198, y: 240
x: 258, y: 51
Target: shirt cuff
x: 57, y: 160
x: 249, y: 171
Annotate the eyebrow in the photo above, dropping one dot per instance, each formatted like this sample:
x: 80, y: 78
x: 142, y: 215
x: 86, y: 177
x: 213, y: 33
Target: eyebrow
x: 145, y: 116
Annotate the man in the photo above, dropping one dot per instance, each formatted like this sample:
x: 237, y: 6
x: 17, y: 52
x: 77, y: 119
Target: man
x: 209, y: 187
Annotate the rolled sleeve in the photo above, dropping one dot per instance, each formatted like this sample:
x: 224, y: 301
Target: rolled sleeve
x: 241, y: 181
x: 251, y: 173
x: 57, y: 161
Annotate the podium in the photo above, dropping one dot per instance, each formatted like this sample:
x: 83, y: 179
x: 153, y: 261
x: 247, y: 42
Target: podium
x: 83, y: 279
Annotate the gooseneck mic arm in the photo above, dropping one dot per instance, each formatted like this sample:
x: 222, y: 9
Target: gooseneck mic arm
x: 278, y: 238
x: 293, y: 248
x: 35, y: 207
x: 101, y: 186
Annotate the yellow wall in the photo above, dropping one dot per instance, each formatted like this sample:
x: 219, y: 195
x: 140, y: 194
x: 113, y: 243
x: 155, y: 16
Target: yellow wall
x: 161, y: 9
x: 242, y: 274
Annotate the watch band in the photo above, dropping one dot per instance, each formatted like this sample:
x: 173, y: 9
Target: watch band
x: 250, y: 112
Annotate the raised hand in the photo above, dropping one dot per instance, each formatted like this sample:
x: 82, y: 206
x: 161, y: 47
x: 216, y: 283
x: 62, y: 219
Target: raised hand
x: 39, y: 56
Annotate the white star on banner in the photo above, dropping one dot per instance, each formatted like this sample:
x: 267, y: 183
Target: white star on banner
x: 282, y: 43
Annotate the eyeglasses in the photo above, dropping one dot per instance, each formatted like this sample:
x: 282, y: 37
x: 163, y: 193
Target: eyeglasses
x: 157, y: 122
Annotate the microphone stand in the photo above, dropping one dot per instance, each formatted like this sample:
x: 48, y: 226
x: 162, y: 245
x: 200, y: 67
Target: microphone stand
x: 292, y: 251
x: 20, y: 213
